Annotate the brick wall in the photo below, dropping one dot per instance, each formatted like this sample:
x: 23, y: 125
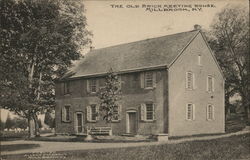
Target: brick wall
x: 132, y: 97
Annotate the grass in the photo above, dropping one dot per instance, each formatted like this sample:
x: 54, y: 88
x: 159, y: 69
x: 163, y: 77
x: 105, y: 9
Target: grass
x: 12, y: 135
x: 229, y: 148
x: 16, y: 147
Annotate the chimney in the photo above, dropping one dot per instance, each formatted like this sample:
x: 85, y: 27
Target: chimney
x: 197, y: 27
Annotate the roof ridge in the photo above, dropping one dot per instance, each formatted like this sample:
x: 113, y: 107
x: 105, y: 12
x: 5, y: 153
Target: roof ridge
x: 144, y: 40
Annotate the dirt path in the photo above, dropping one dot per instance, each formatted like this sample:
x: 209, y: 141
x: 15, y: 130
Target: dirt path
x: 68, y: 146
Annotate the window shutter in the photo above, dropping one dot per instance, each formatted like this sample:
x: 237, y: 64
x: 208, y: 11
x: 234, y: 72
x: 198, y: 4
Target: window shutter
x: 154, y: 79
x: 194, y: 85
x: 69, y: 114
x: 88, y: 113
x: 63, y: 114
x: 119, y: 112
x: 97, y: 85
x: 142, y: 80
x: 193, y: 111
x: 154, y: 118
x: 87, y: 87
x: 207, y: 112
x: 97, y: 111
x: 143, y: 112
x: 186, y: 111
x: 187, y: 82
x: 213, y: 84
x: 213, y: 112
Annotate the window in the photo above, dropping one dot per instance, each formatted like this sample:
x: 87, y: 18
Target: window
x: 190, y: 111
x: 93, y: 112
x: 199, y: 60
x: 210, y: 112
x: 66, y: 114
x: 189, y: 80
x: 66, y: 87
x: 210, y: 84
x: 116, y: 113
x: 148, y: 79
x: 93, y: 86
x: 149, y: 111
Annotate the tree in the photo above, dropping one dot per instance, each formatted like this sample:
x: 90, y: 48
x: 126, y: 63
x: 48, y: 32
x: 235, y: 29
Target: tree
x: 109, y: 96
x: 229, y: 38
x: 49, y: 120
x: 39, y: 41
x: 9, y: 123
x: 40, y: 123
x: 2, y: 125
x: 21, y: 123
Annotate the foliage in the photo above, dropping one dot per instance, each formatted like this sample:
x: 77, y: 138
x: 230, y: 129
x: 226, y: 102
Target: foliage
x: 229, y: 38
x: 39, y: 41
x: 40, y: 123
x: 9, y: 123
x: 110, y: 95
x: 49, y: 120
x: 20, y: 123
x: 2, y: 125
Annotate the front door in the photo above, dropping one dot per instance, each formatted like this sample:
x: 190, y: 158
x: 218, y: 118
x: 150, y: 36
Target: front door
x: 79, y: 123
x: 132, y: 122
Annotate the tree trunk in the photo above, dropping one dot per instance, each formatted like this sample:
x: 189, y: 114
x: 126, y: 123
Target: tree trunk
x: 246, y: 106
x: 227, y: 107
x: 37, y: 131
x: 31, y: 128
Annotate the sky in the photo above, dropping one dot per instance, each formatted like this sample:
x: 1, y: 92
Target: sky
x: 112, y: 26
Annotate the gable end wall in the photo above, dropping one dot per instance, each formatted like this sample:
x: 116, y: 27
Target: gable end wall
x: 179, y: 96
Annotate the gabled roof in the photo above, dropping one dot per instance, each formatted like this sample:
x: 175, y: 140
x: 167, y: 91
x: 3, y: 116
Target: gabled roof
x: 145, y: 54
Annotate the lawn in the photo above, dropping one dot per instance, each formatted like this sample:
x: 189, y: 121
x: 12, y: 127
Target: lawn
x: 230, y: 148
x: 12, y: 135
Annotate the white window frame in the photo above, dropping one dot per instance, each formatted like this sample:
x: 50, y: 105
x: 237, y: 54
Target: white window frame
x: 208, y: 112
x: 91, y: 85
x: 93, y: 120
x: 145, y: 80
x: 192, y: 118
x: 146, y: 112
x: 212, y: 87
x: 66, y: 87
x: 192, y: 81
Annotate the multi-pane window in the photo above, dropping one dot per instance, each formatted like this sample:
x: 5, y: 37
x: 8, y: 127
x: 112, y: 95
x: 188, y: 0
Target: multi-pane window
x: 67, y: 113
x: 190, y: 111
x: 66, y: 87
x: 148, y: 79
x: 149, y: 111
x: 92, y: 85
x: 210, y: 84
x: 116, y: 113
x: 189, y: 80
x: 210, y: 112
x: 93, y: 112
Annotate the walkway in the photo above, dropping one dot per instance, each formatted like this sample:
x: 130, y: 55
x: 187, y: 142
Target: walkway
x: 68, y: 146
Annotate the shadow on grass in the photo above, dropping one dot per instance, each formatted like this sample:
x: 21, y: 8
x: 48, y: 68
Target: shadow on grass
x: 16, y: 147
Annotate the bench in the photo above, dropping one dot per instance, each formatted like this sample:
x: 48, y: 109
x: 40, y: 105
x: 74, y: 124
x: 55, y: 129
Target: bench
x: 100, y: 131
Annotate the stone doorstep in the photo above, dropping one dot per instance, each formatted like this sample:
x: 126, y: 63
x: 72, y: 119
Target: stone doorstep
x: 162, y: 137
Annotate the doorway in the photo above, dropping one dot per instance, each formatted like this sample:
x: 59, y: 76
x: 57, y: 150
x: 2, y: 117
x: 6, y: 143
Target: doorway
x: 131, y: 122
x: 79, y: 122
